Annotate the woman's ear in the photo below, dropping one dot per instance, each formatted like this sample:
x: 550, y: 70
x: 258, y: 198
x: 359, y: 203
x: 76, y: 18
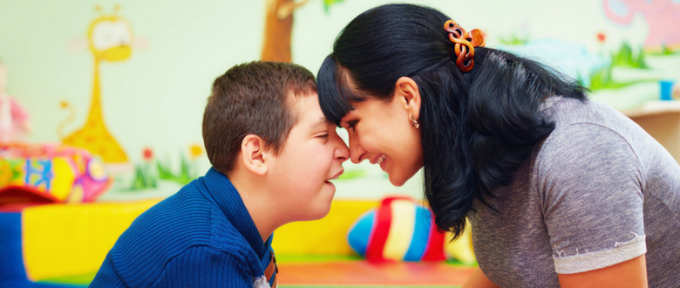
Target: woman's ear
x: 407, y: 92
x: 253, y: 154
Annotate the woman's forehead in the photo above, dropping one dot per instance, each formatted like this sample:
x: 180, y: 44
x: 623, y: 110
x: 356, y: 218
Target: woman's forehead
x: 350, y: 115
x: 361, y: 109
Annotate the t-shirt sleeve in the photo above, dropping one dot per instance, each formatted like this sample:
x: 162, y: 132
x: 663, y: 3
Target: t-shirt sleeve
x: 204, y: 267
x: 591, y: 186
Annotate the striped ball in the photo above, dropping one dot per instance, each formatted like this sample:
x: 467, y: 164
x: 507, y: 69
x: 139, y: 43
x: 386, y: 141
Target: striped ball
x: 401, y: 229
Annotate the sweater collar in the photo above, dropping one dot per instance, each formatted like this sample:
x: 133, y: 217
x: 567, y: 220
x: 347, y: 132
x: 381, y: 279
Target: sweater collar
x: 222, y: 192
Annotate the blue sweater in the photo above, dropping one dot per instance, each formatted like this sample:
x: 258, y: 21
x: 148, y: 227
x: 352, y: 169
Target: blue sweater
x: 202, y: 236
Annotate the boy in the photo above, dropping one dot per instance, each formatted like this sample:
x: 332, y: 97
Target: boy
x: 273, y: 154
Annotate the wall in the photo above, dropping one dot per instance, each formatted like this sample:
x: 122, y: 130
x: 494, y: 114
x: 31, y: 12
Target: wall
x: 155, y: 98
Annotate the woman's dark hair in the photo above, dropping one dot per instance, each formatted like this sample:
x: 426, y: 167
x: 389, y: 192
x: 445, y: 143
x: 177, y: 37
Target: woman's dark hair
x: 476, y: 127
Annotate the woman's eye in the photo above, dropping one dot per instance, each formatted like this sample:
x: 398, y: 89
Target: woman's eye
x: 323, y: 136
x: 351, y: 125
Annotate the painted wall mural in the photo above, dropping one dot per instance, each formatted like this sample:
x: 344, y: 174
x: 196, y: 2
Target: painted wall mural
x: 662, y: 17
x: 109, y: 38
x: 142, y: 113
x: 15, y: 121
x: 279, y: 28
x: 619, y: 72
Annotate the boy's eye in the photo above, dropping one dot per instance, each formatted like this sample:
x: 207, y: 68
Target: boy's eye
x: 323, y: 136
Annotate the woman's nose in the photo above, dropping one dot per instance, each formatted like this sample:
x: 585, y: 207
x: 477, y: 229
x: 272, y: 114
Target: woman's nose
x: 355, y: 150
x: 342, y: 151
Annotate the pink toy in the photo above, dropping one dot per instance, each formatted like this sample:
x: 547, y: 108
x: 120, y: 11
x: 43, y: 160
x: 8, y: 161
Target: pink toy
x: 662, y: 17
x: 14, y: 120
x: 50, y: 173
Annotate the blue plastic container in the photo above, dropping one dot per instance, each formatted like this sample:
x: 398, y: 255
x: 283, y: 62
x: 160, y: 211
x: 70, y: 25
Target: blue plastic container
x: 666, y: 89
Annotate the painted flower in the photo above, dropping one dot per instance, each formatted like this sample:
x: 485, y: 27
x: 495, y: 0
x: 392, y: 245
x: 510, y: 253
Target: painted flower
x: 147, y: 153
x: 195, y: 151
x: 601, y: 37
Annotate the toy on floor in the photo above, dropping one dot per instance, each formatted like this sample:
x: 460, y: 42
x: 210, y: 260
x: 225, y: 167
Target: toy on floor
x: 401, y: 229
x: 61, y: 245
x: 14, y: 120
x: 50, y: 173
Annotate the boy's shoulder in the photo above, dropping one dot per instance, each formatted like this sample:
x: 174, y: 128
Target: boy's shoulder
x: 181, y: 227
x: 186, y: 217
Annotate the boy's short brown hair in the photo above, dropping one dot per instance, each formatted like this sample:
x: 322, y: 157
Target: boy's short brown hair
x: 252, y: 98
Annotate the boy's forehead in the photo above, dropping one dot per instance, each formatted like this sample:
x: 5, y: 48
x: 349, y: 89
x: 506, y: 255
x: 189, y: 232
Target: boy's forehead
x: 308, y: 110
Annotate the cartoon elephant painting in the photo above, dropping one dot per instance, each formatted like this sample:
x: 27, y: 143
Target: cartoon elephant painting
x: 662, y: 17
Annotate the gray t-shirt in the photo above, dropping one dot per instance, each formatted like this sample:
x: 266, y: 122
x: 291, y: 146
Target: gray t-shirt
x: 598, y: 191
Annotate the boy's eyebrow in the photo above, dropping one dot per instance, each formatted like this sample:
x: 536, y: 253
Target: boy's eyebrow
x: 322, y: 121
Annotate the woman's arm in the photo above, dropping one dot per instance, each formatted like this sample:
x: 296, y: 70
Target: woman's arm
x: 479, y: 280
x: 632, y: 273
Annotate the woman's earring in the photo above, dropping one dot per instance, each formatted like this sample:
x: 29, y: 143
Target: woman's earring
x: 414, y: 122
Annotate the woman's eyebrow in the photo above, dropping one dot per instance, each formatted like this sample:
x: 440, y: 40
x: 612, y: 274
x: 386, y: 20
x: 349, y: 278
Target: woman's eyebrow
x: 344, y: 122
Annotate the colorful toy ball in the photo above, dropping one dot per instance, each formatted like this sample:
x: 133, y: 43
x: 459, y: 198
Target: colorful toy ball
x: 401, y: 229
x: 50, y: 173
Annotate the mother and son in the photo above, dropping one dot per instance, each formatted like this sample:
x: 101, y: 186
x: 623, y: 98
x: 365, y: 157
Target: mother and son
x: 560, y: 191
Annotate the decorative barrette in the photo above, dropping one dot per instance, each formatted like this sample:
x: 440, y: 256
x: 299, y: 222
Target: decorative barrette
x: 465, y: 44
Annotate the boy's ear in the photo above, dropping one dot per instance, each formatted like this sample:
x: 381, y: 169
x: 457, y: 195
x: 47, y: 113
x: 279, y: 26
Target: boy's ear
x: 254, y: 155
x: 406, y: 90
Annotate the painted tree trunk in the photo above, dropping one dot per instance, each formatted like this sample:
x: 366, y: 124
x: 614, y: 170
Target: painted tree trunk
x: 277, y: 33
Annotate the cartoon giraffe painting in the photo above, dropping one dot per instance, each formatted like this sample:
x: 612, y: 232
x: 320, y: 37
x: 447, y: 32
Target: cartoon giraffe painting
x: 109, y: 38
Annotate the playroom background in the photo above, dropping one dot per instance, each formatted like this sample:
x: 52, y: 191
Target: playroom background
x: 101, y: 106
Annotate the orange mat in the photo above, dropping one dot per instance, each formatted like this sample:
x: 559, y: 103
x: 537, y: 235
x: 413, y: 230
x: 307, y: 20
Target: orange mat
x: 362, y: 273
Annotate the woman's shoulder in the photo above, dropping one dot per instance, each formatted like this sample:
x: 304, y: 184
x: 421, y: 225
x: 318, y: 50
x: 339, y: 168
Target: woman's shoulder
x: 589, y: 141
x: 565, y: 111
x: 585, y: 126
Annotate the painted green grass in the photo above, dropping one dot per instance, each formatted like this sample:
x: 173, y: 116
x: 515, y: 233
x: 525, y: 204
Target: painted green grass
x: 353, y: 174
x: 665, y: 51
x: 328, y: 3
x: 148, y: 173
x: 626, y: 57
x: 144, y: 178
x: 187, y: 171
x: 514, y: 40
x: 602, y: 79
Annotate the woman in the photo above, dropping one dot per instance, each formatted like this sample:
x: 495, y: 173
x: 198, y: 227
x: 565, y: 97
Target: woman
x: 560, y: 191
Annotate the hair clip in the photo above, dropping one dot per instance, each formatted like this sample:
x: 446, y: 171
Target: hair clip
x: 465, y: 44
